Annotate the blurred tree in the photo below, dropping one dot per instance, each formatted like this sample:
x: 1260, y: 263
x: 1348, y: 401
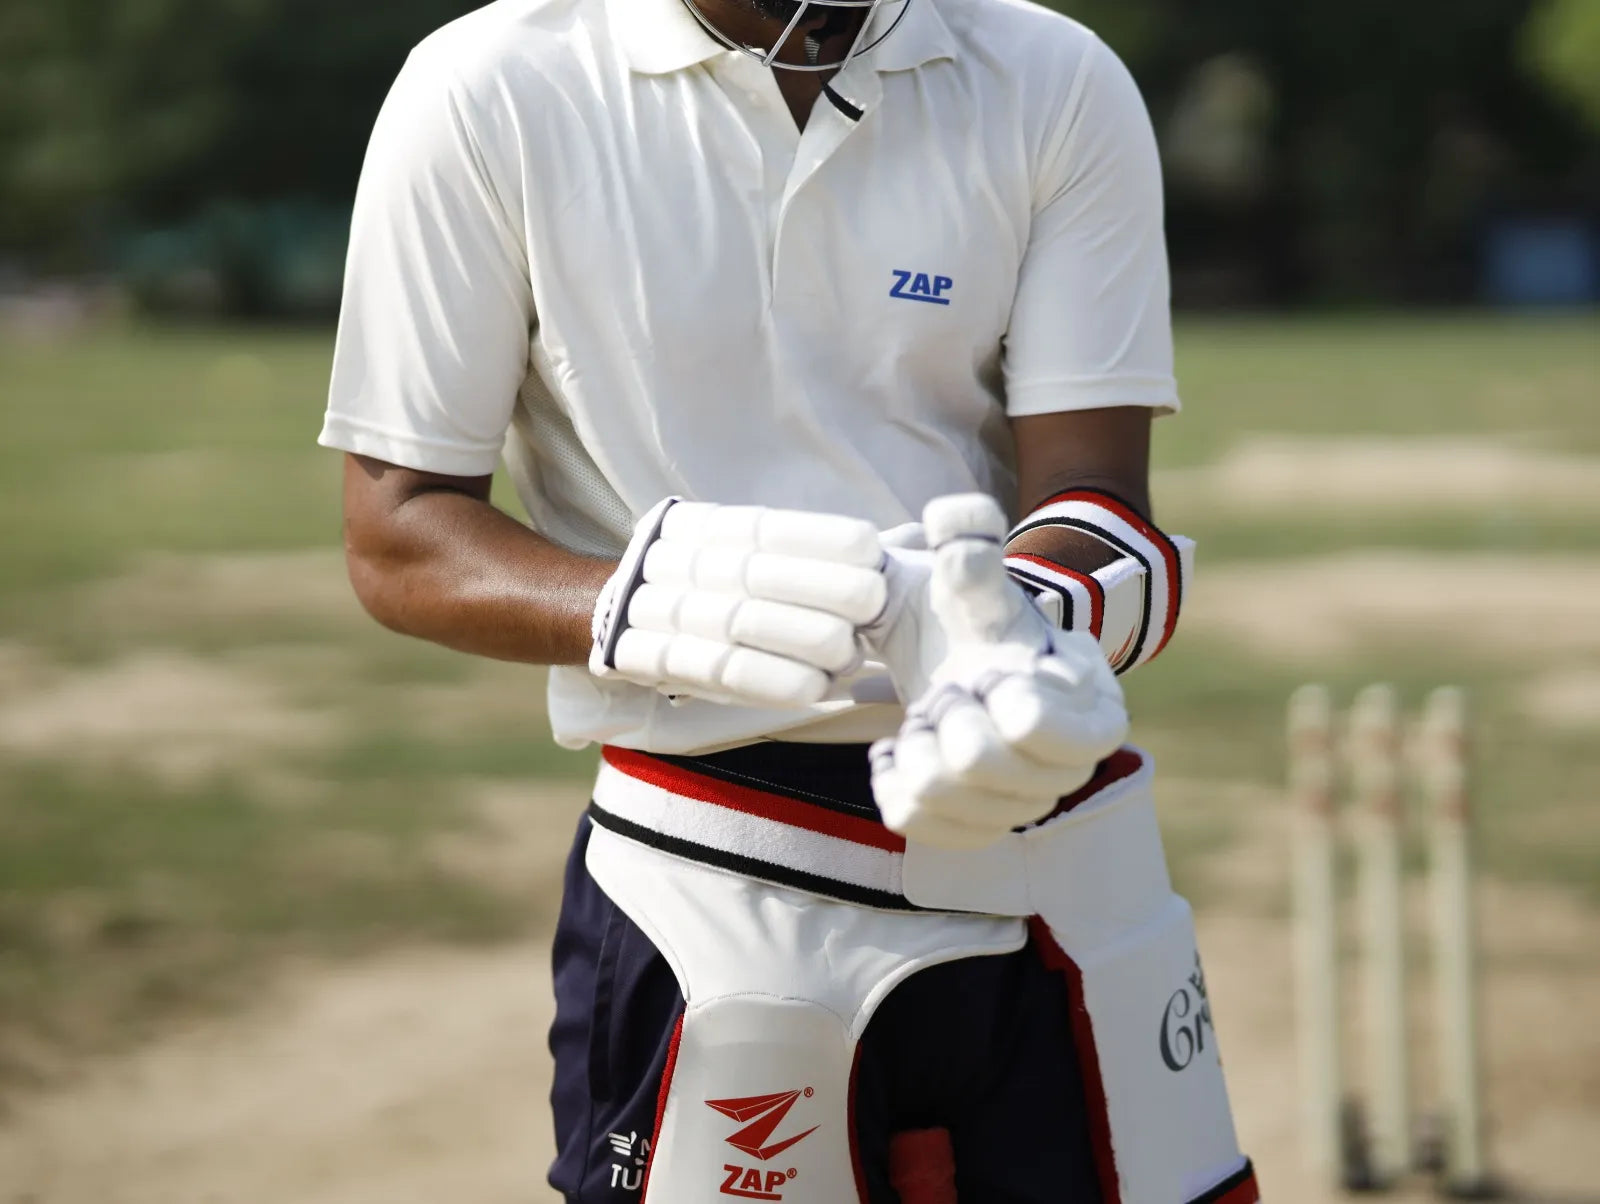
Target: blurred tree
x: 1320, y: 149
x: 1563, y: 42
x: 99, y: 102
x: 141, y: 112
x: 1395, y: 131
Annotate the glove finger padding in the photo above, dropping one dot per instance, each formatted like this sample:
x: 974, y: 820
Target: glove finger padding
x: 799, y: 533
x: 847, y: 590
x: 907, y: 781
x: 813, y: 636
x: 1069, y: 712
x: 975, y: 754
x: 688, y: 664
x: 738, y: 604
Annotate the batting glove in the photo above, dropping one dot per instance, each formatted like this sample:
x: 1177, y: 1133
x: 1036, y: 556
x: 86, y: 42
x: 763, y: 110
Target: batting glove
x: 1015, y: 715
x: 904, y: 637
x: 738, y: 604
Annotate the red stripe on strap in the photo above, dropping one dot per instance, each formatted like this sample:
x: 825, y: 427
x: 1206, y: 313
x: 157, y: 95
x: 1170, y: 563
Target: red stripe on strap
x: 1097, y: 592
x: 749, y: 801
x: 1244, y: 1193
x: 1150, y: 531
x: 1094, y: 1089
x: 661, y: 1104
x: 1123, y: 763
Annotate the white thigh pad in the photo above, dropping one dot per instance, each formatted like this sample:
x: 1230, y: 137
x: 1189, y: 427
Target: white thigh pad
x: 756, y: 1103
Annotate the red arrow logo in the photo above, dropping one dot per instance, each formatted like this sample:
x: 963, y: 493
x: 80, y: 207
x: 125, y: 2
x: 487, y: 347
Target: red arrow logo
x: 765, y: 1113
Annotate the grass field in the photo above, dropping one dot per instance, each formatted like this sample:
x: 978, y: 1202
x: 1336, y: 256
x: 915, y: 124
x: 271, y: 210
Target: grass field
x: 210, y: 761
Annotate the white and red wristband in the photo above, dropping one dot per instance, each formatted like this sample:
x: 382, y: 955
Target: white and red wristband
x: 1131, y: 605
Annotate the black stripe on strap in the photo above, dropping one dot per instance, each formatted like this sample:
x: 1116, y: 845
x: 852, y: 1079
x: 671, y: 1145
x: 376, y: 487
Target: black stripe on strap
x: 1159, y: 536
x: 1233, y: 1182
x: 835, y: 777
x: 752, y: 867
x: 1127, y: 549
x: 1041, y: 586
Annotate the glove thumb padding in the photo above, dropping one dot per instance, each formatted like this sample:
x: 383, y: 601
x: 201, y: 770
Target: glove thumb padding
x: 999, y: 726
x: 971, y: 592
x: 963, y: 516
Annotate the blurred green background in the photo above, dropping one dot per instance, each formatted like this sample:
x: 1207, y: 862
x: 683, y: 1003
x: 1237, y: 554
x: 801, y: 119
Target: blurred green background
x: 204, y: 151
x: 217, y: 776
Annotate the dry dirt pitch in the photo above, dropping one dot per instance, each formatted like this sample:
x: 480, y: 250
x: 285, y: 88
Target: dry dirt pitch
x: 275, y: 887
x: 420, y: 1076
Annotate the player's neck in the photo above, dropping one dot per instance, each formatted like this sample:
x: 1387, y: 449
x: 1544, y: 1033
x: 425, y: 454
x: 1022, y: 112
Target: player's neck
x: 741, y: 21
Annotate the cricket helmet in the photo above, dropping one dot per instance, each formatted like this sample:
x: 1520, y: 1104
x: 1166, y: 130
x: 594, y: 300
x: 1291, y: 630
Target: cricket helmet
x: 880, y: 20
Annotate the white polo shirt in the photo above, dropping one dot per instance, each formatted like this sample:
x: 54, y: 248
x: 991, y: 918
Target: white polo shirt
x: 590, y: 239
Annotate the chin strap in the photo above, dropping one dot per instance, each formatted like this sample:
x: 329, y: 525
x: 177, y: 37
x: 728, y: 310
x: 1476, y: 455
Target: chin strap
x: 831, y: 27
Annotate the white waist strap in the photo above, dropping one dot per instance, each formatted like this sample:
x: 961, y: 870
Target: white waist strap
x: 785, y: 834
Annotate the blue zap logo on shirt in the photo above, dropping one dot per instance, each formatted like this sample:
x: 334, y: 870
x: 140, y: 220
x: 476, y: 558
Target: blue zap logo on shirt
x: 919, y: 286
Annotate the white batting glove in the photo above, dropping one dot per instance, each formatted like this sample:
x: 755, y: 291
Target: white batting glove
x: 1016, y: 714
x: 905, y: 637
x: 738, y: 604
x: 909, y: 638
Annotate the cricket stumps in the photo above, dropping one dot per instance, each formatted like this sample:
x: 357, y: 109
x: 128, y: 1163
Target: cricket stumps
x: 1368, y: 1140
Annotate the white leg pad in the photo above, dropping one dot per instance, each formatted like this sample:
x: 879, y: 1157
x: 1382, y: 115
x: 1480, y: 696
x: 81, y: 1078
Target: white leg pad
x: 1169, y: 1123
x: 757, y: 1105
x: 1096, y: 878
x: 779, y: 986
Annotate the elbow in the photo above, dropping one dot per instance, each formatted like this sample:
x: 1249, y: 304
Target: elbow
x: 376, y: 582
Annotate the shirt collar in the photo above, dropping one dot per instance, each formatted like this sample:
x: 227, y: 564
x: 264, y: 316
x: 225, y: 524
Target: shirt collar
x: 921, y: 37
x: 661, y: 36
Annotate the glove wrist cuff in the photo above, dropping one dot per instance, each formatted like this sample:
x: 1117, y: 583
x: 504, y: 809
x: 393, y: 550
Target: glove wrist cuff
x: 1130, y: 605
x: 611, y: 607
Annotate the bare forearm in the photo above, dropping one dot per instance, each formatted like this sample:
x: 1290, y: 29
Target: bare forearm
x: 1071, y: 549
x: 1079, y: 550
x: 1107, y: 450
x: 439, y: 562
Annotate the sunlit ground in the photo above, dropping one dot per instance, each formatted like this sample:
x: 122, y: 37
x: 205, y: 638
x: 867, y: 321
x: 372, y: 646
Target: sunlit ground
x: 215, y: 771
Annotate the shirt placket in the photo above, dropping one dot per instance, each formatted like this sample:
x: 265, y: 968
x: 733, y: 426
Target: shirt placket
x: 790, y: 157
x: 765, y: 116
x: 827, y: 130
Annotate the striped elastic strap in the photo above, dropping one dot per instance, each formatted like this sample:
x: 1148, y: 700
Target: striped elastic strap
x: 1131, y: 605
x: 783, y: 827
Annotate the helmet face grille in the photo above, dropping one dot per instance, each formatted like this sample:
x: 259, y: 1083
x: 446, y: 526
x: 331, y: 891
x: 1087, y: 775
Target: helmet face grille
x: 886, y: 15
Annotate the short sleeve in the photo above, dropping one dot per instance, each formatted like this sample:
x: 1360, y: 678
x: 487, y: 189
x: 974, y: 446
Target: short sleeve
x: 435, y: 322
x: 1091, y: 326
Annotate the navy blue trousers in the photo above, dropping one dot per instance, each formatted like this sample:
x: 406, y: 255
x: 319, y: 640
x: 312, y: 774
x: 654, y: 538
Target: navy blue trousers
x: 981, y: 1047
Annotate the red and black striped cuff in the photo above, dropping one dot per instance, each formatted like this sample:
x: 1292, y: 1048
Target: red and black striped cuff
x: 1131, y: 605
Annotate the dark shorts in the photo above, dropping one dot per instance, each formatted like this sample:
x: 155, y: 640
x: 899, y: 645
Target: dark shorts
x: 982, y: 1048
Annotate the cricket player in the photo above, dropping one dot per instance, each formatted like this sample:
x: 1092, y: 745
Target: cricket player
x: 821, y: 340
